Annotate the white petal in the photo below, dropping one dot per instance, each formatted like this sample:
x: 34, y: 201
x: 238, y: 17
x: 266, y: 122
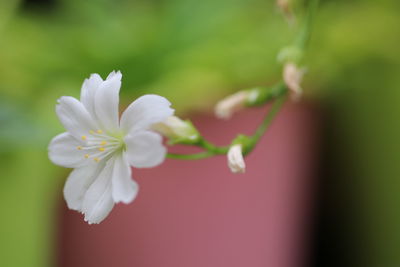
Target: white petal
x: 74, y: 116
x: 78, y: 183
x: 118, y: 74
x: 144, y: 149
x: 107, y: 100
x: 63, y: 151
x: 88, y: 91
x: 124, y: 189
x: 145, y: 111
x: 98, y: 202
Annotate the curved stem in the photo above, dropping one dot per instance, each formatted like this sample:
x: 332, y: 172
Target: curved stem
x: 213, y: 150
x: 200, y: 155
x: 279, y: 94
x: 305, y: 34
x: 276, y: 106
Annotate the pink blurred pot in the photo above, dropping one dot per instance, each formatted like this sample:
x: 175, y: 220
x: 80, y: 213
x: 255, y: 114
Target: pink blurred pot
x: 198, y: 214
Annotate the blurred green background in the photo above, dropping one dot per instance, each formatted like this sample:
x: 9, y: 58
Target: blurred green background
x: 193, y: 53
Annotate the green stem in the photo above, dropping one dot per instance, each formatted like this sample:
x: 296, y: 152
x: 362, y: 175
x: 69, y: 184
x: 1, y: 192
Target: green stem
x: 305, y: 33
x: 276, y: 106
x: 213, y: 148
x: 200, y: 155
x: 267, y: 94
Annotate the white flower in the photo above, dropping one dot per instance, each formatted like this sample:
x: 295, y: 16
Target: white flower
x: 101, y: 148
x: 292, y: 77
x: 231, y: 104
x: 177, y: 130
x: 235, y: 159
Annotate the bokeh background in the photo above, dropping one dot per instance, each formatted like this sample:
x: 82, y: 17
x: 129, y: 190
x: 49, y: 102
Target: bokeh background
x: 194, y: 53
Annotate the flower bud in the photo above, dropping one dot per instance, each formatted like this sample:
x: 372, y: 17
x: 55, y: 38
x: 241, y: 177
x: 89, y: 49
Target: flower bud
x: 231, y: 104
x: 235, y: 159
x: 177, y: 130
x: 285, y: 7
x: 292, y: 77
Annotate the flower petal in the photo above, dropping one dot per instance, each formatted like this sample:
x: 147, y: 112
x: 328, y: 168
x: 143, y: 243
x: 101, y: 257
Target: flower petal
x: 78, y: 182
x: 98, y: 202
x: 144, y: 149
x: 107, y: 100
x: 124, y: 189
x: 145, y: 111
x: 88, y: 91
x: 63, y: 151
x: 114, y: 74
x: 74, y: 116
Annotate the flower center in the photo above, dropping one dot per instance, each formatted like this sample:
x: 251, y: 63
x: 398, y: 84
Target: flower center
x: 99, y: 145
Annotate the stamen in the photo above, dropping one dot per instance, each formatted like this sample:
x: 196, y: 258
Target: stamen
x: 96, y: 159
x: 99, y: 131
x: 101, y: 149
x: 79, y: 147
x: 84, y: 137
x: 102, y: 155
x: 86, y: 156
x: 103, y: 143
x: 101, y: 137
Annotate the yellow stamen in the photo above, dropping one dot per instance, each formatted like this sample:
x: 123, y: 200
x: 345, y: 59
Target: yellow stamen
x: 86, y: 155
x: 102, y: 149
x: 103, y: 143
x: 99, y: 131
x: 84, y: 137
x: 96, y: 159
x: 79, y: 147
